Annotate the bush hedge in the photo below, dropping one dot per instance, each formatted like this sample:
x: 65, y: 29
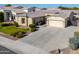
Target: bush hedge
x: 19, y: 33
x: 74, y: 42
x: 76, y: 34
x: 6, y: 24
x: 15, y: 24
x: 33, y: 29
x: 32, y: 25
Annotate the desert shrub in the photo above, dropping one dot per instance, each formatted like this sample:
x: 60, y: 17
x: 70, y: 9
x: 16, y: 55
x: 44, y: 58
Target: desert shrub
x: 74, y: 43
x: 16, y: 24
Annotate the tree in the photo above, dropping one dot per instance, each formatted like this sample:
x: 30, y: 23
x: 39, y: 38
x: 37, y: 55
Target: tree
x: 1, y: 16
x: 61, y: 7
x: 44, y: 8
x: 33, y: 8
x: 8, y: 5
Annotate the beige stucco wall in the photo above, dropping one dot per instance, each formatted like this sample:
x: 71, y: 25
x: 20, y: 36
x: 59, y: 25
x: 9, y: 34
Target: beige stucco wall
x: 30, y: 21
x: 27, y: 21
x: 19, y: 21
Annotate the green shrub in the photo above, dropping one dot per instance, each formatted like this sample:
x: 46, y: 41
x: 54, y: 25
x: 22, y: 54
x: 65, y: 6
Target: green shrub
x: 33, y: 29
x: 42, y: 22
x: 76, y: 34
x: 16, y: 24
x: 19, y: 35
x: 19, y: 32
x: 74, y: 43
x: 32, y: 25
x: 6, y: 24
x: 1, y: 16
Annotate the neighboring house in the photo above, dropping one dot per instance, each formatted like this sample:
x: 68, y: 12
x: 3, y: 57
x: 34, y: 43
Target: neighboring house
x: 63, y: 18
x: 11, y: 12
x: 53, y: 18
x: 29, y: 18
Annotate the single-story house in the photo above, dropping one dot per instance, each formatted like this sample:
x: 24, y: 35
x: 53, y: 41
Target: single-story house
x: 54, y: 18
x: 29, y: 18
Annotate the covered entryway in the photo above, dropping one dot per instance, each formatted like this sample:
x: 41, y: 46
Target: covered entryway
x: 56, y: 22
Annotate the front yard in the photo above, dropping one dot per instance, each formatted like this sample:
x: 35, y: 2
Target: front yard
x: 14, y: 31
x: 11, y: 29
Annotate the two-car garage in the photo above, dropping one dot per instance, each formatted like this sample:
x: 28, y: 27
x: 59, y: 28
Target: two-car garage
x: 56, y: 22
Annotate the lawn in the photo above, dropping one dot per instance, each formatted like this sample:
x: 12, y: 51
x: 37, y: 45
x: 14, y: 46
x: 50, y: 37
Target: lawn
x: 13, y: 30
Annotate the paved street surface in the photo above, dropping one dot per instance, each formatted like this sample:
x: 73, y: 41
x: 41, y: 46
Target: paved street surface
x: 20, y: 47
x: 4, y: 50
x: 42, y: 41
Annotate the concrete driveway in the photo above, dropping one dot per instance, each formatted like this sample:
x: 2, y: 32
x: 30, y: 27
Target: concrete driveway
x: 40, y: 42
x: 50, y: 38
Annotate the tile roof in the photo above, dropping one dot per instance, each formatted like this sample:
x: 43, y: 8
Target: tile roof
x: 16, y: 10
x: 21, y: 12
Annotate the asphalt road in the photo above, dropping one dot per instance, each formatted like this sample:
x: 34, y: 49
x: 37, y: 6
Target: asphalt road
x: 4, y: 50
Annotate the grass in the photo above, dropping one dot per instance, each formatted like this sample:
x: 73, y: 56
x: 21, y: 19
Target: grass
x: 10, y: 29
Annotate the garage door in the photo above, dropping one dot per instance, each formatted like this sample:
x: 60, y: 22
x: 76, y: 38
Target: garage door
x: 56, y: 24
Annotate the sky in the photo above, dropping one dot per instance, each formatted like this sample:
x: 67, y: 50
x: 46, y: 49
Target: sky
x: 45, y: 5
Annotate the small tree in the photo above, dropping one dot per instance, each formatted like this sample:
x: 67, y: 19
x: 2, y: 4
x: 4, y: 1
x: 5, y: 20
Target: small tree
x: 1, y: 16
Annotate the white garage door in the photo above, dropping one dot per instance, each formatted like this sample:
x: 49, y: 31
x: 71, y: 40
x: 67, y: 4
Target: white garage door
x: 56, y: 24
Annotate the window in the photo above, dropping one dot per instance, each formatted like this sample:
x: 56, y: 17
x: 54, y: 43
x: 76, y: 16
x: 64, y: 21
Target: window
x: 23, y: 20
